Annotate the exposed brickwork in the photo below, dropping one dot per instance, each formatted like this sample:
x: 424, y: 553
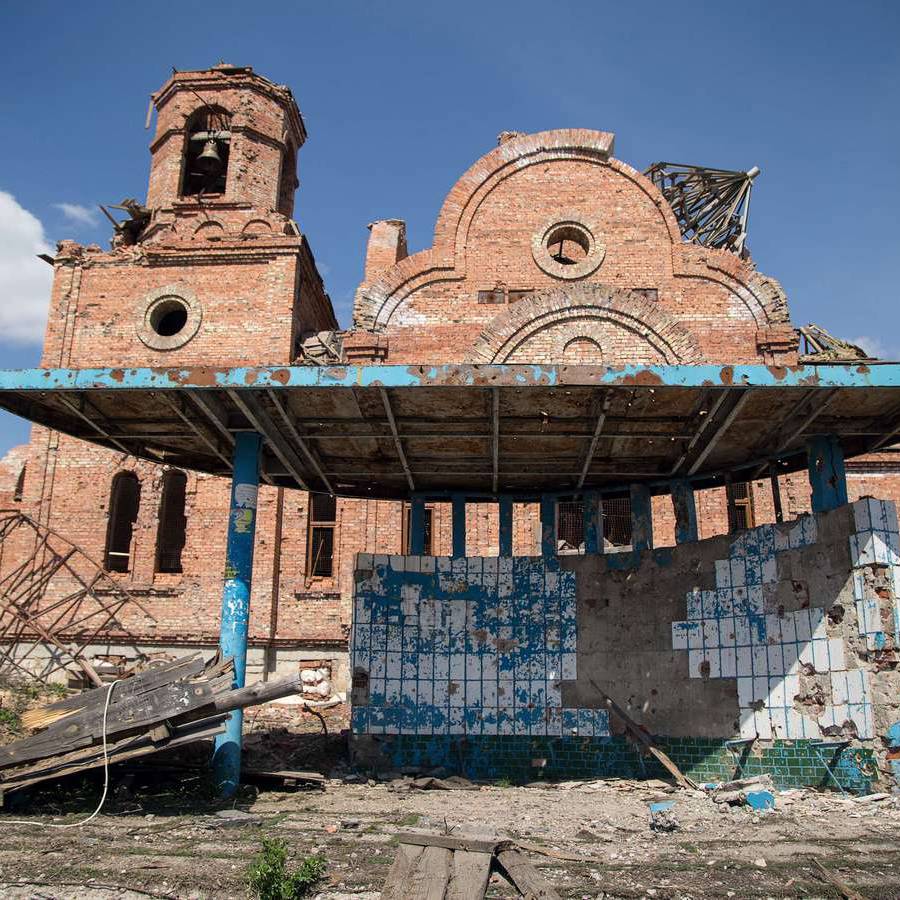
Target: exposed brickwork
x: 652, y: 298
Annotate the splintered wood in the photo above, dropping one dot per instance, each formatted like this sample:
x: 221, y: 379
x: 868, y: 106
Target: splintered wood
x: 457, y: 867
x: 166, y: 706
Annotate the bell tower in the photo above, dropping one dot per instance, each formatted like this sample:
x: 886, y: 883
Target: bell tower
x: 226, y: 139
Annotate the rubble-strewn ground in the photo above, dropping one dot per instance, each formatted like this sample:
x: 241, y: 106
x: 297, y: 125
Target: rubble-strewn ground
x: 162, y: 833
x: 166, y: 842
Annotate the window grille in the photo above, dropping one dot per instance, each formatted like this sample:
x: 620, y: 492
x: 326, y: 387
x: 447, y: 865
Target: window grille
x: 570, y: 525
x: 617, y: 521
x: 740, y: 501
x: 124, y: 500
x: 320, y: 536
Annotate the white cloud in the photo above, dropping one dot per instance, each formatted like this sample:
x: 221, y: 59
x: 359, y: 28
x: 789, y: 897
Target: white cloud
x: 25, y: 280
x: 872, y: 345
x: 78, y: 214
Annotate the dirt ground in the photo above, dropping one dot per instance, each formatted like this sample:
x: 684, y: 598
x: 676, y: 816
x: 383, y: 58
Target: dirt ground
x: 163, y: 838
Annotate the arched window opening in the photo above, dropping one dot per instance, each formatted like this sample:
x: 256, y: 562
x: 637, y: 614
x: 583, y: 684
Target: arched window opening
x: 19, y: 491
x: 171, y: 526
x: 288, y: 182
x: 206, y: 152
x: 124, y: 500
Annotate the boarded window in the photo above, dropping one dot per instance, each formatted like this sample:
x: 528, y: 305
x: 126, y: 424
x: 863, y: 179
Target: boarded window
x: 170, y: 530
x: 646, y: 293
x: 320, y: 539
x: 516, y: 295
x: 124, y: 500
x: 406, y: 541
x: 740, y: 503
x: 617, y: 521
x: 570, y: 526
x: 497, y: 295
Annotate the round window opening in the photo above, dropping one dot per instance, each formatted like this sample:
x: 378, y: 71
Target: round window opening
x: 567, y: 244
x: 168, y: 317
x: 566, y: 248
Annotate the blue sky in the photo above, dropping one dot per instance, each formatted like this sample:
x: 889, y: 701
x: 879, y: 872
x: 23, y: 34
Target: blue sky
x: 400, y: 98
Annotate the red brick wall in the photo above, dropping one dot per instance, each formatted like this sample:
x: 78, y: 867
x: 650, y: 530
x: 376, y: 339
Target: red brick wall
x: 256, y: 282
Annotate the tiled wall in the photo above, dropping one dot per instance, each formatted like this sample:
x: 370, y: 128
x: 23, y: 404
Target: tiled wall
x: 468, y: 663
x: 728, y: 634
x: 473, y: 646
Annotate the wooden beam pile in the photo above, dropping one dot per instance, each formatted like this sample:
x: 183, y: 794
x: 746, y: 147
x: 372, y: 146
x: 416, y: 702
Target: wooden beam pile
x: 166, y: 706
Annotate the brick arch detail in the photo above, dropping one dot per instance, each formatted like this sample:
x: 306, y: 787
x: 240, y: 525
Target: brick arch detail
x: 377, y: 300
x: 583, y: 304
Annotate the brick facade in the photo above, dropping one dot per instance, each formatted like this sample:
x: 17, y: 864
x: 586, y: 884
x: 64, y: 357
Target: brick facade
x: 234, y: 264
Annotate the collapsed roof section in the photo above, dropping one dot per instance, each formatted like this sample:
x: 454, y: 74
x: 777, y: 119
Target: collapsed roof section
x: 712, y: 206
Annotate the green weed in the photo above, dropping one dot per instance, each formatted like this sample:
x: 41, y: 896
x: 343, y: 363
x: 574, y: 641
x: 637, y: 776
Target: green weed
x: 268, y: 877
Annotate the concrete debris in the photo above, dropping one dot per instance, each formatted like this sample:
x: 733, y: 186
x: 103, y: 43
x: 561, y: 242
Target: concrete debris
x: 662, y: 818
x: 225, y: 818
x: 872, y: 798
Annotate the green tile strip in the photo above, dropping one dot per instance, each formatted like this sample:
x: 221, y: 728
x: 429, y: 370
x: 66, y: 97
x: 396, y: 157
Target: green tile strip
x: 791, y: 764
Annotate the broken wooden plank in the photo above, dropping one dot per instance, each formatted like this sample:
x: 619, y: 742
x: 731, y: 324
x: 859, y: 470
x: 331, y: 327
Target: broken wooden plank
x: 528, y: 882
x: 404, y: 863
x: 845, y: 890
x: 637, y: 732
x: 447, y: 841
x: 470, y: 875
x: 428, y: 881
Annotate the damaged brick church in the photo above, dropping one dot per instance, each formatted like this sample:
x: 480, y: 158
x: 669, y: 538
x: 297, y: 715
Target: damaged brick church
x: 548, y: 251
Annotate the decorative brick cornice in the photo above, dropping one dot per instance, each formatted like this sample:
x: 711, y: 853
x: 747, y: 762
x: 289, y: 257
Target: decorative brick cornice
x: 583, y: 303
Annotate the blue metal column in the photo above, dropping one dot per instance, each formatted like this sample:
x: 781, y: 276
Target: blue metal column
x: 506, y: 526
x: 548, y: 526
x: 236, y: 598
x: 416, y: 527
x: 827, y: 475
x: 685, y: 511
x: 641, y: 517
x: 593, y: 523
x: 459, y: 525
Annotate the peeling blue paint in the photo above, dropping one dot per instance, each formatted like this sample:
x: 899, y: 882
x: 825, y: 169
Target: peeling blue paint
x: 282, y: 377
x: 236, y: 598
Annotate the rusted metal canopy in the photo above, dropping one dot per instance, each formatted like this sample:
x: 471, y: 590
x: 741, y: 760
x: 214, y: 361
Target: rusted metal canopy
x: 389, y: 431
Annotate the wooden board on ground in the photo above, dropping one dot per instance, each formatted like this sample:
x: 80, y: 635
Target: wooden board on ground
x: 450, y: 867
x: 470, y: 876
x: 287, y: 778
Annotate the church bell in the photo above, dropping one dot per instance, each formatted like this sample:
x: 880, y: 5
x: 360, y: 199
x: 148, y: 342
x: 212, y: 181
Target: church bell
x: 209, y: 162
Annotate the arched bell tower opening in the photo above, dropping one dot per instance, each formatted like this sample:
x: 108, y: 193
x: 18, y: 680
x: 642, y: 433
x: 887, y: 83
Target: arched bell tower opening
x: 206, y: 152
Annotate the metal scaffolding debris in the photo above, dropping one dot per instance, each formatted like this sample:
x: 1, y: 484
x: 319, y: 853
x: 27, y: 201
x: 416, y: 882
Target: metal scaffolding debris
x: 86, y: 603
x: 712, y: 205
